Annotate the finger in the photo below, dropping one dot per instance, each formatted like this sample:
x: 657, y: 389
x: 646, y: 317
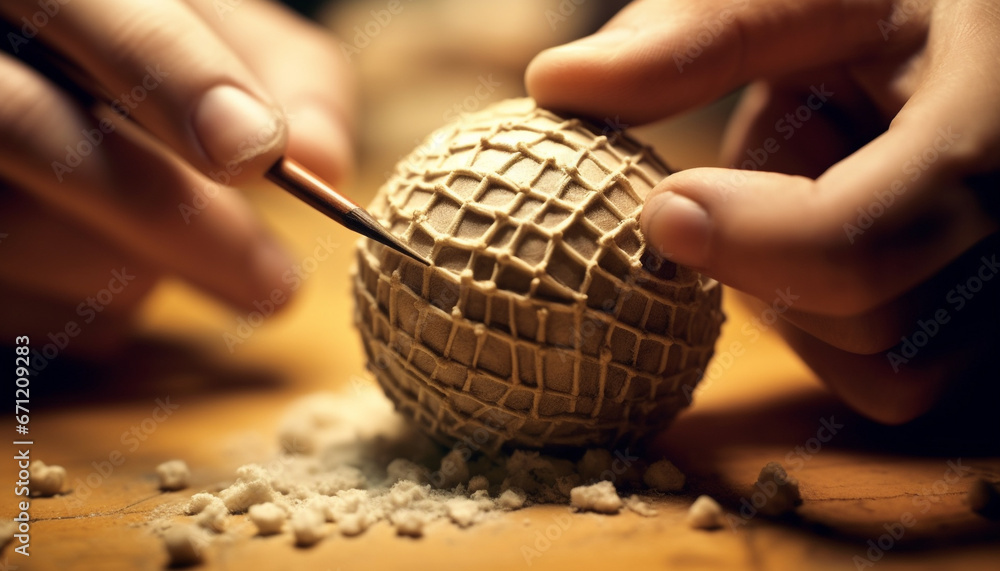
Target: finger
x: 127, y: 189
x: 770, y: 112
x: 868, y: 384
x: 305, y: 72
x: 872, y: 226
x: 928, y: 309
x: 56, y: 258
x: 868, y: 333
x: 765, y: 233
x: 947, y: 339
x: 166, y: 69
x: 658, y: 57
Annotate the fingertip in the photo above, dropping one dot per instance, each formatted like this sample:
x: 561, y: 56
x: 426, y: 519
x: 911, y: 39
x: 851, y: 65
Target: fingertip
x: 678, y: 228
x: 563, y: 77
x: 541, y: 78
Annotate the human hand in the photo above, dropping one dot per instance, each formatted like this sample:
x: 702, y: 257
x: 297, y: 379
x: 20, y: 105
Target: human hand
x: 864, y: 142
x: 93, y: 208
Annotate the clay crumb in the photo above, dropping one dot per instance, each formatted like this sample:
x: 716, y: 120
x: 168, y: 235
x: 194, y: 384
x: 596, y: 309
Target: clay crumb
x: 401, y: 469
x: 45, y: 480
x: 984, y: 499
x: 781, y: 490
x: 462, y: 511
x: 453, y: 471
x: 512, y: 499
x: 307, y: 526
x: 268, y: 518
x: 635, y: 504
x: 663, y: 476
x: 253, y: 486
x: 405, y: 492
x: 409, y: 523
x: 705, y: 513
x: 198, y: 502
x: 351, y: 525
x: 185, y: 545
x: 213, y: 515
x: 174, y: 475
x: 600, y: 497
x: 355, y: 482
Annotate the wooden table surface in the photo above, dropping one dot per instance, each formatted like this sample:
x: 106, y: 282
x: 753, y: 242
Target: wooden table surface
x: 757, y: 405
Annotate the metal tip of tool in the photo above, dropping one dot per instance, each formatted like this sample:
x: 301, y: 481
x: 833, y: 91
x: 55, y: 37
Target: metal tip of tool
x: 378, y: 233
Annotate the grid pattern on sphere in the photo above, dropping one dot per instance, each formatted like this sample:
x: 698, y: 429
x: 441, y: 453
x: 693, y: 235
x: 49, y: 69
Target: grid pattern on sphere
x: 531, y: 204
x: 537, y: 323
x: 566, y: 399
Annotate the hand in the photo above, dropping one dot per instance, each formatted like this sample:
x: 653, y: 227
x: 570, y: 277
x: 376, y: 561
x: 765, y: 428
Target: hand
x: 223, y: 88
x: 861, y: 155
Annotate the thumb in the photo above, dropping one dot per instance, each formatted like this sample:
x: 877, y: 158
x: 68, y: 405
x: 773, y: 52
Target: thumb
x: 781, y: 236
x: 874, y: 225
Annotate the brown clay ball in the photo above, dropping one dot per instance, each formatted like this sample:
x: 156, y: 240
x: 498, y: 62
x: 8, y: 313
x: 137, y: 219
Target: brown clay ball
x: 542, y: 321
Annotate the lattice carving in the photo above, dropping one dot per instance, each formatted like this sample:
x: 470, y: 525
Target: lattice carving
x: 540, y: 322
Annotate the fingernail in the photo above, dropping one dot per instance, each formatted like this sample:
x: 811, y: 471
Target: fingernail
x: 677, y: 228
x: 602, y: 40
x: 234, y: 127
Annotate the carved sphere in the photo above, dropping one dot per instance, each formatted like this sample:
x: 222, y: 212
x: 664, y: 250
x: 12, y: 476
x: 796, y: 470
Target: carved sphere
x: 542, y: 321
